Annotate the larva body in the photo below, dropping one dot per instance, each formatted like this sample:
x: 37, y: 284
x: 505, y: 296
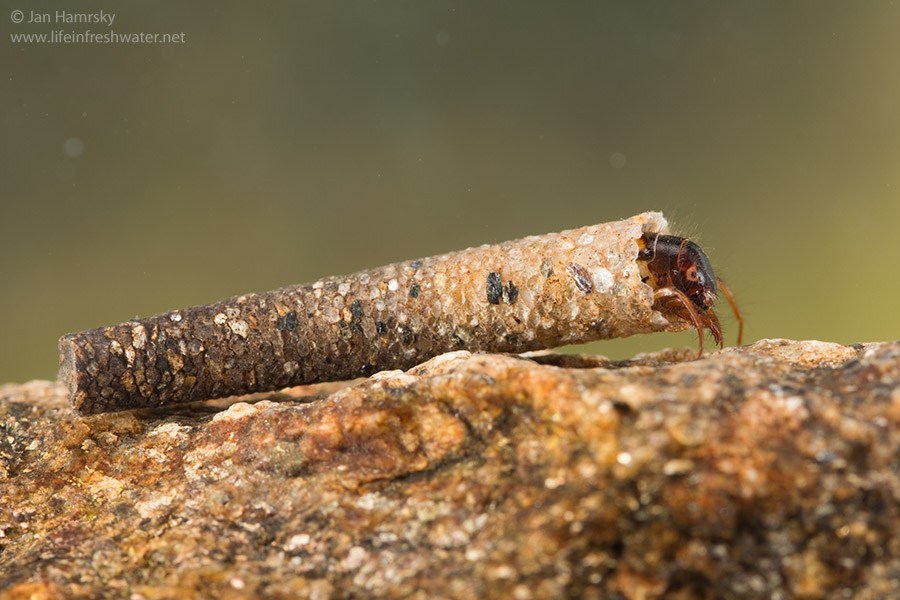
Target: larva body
x: 536, y: 292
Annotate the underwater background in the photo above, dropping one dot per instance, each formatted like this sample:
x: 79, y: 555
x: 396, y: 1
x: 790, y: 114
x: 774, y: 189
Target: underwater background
x: 276, y: 144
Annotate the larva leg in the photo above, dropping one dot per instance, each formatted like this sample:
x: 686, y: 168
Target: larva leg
x: 729, y: 296
x: 696, y: 319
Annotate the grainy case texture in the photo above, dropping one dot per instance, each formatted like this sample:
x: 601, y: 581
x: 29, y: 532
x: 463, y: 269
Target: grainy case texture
x: 536, y: 292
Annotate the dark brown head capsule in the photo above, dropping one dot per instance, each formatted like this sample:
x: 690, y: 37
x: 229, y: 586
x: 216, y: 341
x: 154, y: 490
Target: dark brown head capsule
x: 682, y: 278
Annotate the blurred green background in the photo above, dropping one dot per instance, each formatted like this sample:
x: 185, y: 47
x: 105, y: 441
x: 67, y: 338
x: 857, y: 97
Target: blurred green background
x: 279, y: 144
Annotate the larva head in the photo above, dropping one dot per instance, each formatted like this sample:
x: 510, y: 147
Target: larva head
x: 677, y: 263
x: 680, y: 273
x: 694, y: 275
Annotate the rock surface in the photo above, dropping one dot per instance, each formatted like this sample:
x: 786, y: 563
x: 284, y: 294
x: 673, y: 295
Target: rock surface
x: 770, y: 471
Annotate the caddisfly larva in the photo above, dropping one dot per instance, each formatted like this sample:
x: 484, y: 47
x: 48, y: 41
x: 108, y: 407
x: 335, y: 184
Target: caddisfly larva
x: 681, y: 276
x: 603, y: 281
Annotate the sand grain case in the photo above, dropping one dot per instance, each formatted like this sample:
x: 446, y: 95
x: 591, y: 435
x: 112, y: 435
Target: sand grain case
x: 536, y: 292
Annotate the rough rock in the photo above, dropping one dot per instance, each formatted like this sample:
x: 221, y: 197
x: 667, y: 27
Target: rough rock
x: 770, y: 471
